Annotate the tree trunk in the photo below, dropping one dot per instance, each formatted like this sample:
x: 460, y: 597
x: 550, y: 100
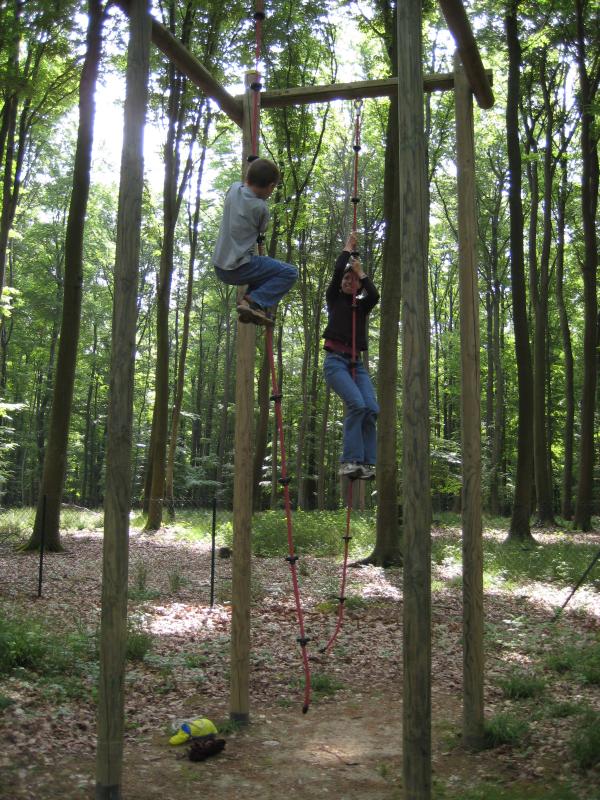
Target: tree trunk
x: 176, y: 414
x: 55, y: 461
x: 8, y: 130
x: 414, y: 229
x: 567, y: 481
x: 519, y: 525
x: 588, y: 88
x: 113, y: 631
x: 388, y: 549
x: 172, y: 197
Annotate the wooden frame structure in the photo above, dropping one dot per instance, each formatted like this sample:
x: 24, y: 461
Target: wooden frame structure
x: 469, y: 77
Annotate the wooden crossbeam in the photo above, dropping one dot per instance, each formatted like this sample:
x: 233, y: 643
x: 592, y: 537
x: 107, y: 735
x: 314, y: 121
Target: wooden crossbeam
x: 479, y: 78
x: 385, y: 87
x: 460, y: 28
x: 191, y: 67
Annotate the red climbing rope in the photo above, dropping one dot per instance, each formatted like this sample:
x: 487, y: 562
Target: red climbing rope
x: 284, y: 480
x: 356, y: 147
x: 256, y: 86
x: 292, y: 558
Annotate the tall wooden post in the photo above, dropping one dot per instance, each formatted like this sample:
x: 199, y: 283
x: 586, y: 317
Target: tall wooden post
x: 113, y: 632
x: 239, y: 706
x: 470, y: 415
x: 414, y: 228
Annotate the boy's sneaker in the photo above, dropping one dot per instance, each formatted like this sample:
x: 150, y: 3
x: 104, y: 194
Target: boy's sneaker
x: 350, y: 469
x: 367, y: 472
x: 249, y: 311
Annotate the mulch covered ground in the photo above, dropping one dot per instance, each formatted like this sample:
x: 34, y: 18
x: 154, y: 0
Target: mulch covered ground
x: 348, y: 745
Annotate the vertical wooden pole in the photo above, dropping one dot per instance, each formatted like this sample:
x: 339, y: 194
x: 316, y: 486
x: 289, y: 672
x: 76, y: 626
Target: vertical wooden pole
x: 113, y: 632
x: 470, y: 415
x: 239, y: 707
x: 414, y: 208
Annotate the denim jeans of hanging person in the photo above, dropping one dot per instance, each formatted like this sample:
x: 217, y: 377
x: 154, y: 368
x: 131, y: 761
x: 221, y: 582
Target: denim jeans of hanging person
x: 360, y: 431
x: 268, y: 279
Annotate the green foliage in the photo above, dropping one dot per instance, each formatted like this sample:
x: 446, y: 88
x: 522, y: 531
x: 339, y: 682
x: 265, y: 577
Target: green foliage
x: 5, y: 702
x: 520, y: 685
x: 22, y: 644
x: 562, y: 563
x: 140, y: 591
x: 505, y: 728
x: 497, y: 791
x: 77, y: 519
x: 26, y: 643
x: 16, y: 523
x: 583, y: 660
x: 323, y: 685
x: 139, y: 640
x: 585, y: 741
x: 353, y: 602
x: 177, y: 581
x: 562, y: 709
x: 315, y: 533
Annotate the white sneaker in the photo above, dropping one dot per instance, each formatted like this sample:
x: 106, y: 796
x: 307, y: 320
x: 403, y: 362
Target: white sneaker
x: 367, y: 472
x: 350, y: 469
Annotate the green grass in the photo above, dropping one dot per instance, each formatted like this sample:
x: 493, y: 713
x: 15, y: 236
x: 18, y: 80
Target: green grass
x: 65, y: 665
x: 5, y: 702
x: 582, y: 661
x: 585, y: 741
x: 16, y: 523
x: 562, y: 709
x: 23, y: 643
x: 509, y: 564
x: 505, y: 728
x: 522, y: 685
x: 493, y: 791
x: 139, y: 640
x: 561, y: 563
x: 323, y: 685
x: 315, y: 533
x: 353, y: 602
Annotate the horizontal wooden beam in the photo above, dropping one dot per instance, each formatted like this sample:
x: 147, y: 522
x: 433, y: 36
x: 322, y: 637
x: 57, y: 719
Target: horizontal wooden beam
x: 479, y: 78
x: 385, y: 87
x: 460, y: 28
x: 192, y: 68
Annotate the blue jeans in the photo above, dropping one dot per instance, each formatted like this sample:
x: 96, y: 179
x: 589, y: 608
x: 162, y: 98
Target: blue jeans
x: 360, y: 432
x: 268, y: 279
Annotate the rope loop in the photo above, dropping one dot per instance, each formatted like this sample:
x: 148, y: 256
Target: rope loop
x: 284, y: 480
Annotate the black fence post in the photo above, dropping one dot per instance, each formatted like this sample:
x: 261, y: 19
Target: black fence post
x: 42, y: 542
x: 212, y: 553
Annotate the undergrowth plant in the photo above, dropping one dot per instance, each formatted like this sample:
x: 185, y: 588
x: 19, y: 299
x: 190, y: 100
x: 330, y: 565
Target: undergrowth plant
x: 505, y: 728
x: 585, y: 741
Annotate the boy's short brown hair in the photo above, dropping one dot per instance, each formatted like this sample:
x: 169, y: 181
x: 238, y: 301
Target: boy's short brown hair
x: 262, y: 173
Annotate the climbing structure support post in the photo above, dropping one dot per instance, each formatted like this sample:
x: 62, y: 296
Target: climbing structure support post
x: 117, y: 505
x: 239, y: 709
x: 470, y: 415
x: 416, y: 506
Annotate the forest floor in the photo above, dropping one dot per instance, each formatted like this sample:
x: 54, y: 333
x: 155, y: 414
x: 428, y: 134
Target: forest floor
x: 349, y: 743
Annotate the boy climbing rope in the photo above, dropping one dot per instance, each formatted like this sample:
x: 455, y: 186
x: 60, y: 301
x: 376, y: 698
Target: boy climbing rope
x: 244, y: 221
x: 350, y: 297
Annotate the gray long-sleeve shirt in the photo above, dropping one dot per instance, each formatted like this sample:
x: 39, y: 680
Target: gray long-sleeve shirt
x: 244, y: 216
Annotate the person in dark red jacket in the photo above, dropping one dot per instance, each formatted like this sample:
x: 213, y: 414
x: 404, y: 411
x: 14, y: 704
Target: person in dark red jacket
x: 343, y: 367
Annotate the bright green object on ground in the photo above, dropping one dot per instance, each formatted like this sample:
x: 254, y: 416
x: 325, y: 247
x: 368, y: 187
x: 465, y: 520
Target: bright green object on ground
x: 198, y: 727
